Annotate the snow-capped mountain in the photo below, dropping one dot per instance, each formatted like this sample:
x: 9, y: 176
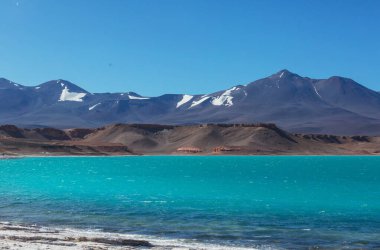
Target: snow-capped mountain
x: 335, y: 105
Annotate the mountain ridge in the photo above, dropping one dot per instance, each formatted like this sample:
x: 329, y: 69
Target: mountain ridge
x: 336, y: 105
x: 205, y: 139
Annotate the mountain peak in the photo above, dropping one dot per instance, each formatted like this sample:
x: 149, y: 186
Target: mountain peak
x: 339, y: 78
x: 5, y: 83
x: 60, y: 85
x: 284, y: 74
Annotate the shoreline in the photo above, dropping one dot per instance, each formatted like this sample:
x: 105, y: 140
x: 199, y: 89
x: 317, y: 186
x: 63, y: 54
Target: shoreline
x: 33, y: 237
x: 188, y: 155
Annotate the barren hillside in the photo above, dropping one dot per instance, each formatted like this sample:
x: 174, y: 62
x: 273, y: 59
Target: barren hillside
x: 144, y: 139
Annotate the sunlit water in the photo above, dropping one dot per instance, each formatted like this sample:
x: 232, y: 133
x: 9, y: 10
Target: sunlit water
x: 282, y: 201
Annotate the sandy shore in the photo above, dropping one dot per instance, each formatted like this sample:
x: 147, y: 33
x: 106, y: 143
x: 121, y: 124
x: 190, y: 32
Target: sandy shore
x: 17, y: 236
x: 33, y: 237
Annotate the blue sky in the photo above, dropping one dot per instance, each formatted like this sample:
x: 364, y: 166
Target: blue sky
x: 186, y: 46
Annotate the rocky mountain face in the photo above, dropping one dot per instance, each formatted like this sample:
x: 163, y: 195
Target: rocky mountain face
x: 335, y: 105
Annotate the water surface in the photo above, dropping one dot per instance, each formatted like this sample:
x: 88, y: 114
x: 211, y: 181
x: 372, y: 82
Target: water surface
x: 252, y: 201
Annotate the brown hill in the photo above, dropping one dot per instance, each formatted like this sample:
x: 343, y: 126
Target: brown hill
x: 126, y: 139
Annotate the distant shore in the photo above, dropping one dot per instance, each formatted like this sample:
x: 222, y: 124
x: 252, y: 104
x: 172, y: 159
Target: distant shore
x: 203, y: 139
x: 181, y: 155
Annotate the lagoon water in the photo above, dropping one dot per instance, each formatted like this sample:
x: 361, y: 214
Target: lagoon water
x: 248, y: 201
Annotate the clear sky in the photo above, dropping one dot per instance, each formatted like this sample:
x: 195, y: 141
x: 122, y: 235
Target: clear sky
x: 186, y: 46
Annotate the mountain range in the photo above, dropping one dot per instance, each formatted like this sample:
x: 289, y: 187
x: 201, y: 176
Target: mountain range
x: 336, y: 105
x: 152, y: 139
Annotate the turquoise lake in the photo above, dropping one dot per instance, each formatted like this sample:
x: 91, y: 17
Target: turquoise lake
x: 250, y: 201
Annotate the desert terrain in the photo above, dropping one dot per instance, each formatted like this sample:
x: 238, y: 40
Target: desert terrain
x: 206, y: 139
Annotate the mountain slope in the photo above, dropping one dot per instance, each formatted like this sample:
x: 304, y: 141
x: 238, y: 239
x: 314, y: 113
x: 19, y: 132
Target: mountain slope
x: 236, y: 139
x: 335, y: 105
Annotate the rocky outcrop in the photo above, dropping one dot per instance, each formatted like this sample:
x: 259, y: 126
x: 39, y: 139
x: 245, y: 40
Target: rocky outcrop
x: 11, y: 131
x: 80, y: 133
x: 52, y: 134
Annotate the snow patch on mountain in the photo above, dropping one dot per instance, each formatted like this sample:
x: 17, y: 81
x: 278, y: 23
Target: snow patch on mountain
x: 62, y: 85
x: 316, y: 91
x: 131, y: 97
x: 225, y: 99
x: 94, y: 106
x: 66, y: 95
x: 277, y: 84
x: 185, y: 99
x: 195, y: 103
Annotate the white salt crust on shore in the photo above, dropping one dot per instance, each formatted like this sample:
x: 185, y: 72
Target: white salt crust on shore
x: 14, y: 236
